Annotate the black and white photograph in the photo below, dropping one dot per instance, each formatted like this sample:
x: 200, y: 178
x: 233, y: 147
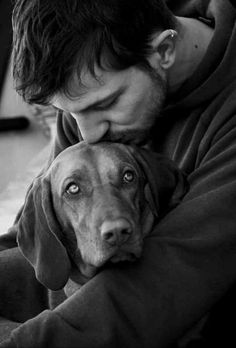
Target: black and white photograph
x: 117, y: 173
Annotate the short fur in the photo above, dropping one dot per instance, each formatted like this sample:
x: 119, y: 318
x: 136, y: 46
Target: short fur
x: 122, y: 191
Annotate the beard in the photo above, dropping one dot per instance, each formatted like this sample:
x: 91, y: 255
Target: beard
x: 143, y: 135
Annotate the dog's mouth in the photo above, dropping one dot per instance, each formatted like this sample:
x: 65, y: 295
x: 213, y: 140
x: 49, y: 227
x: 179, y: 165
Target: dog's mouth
x: 125, y: 256
x: 115, y: 256
x: 90, y: 263
x: 87, y: 271
x: 118, y: 255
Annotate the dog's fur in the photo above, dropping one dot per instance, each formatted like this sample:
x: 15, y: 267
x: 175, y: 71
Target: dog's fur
x: 95, y: 204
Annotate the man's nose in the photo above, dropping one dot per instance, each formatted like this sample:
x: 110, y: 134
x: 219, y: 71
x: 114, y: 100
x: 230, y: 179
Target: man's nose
x: 92, y: 129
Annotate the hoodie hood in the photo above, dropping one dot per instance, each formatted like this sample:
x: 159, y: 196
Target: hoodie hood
x: 217, y: 69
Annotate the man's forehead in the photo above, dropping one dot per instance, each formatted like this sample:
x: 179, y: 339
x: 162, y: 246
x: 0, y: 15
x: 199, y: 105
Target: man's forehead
x: 77, y: 90
x: 89, y: 88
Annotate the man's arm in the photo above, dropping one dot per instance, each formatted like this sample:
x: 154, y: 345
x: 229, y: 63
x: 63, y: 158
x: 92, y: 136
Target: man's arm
x: 187, y: 266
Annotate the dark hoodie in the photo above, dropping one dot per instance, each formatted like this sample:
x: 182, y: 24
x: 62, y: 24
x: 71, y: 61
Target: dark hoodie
x: 189, y: 260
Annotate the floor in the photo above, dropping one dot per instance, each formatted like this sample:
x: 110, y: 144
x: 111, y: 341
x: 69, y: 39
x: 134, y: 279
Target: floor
x: 22, y: 154
x: 17, y: 149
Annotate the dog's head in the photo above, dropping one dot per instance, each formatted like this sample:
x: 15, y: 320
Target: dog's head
x: 95, y: 204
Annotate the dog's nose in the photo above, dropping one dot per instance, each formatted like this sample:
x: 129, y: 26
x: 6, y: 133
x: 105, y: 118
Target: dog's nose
x: 116, y: 232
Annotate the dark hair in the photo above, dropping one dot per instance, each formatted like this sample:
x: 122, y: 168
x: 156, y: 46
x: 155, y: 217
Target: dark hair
x: 52, y: 38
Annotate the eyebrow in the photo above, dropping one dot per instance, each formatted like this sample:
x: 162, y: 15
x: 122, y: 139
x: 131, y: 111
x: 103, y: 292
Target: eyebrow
x: 106, y: 99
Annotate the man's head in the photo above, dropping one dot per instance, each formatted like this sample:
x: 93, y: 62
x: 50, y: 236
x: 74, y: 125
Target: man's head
x: 95, y: 58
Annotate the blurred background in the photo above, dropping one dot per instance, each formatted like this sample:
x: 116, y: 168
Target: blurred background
x: 26, y: 131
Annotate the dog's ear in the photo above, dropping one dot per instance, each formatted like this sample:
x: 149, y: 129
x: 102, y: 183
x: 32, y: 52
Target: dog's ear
x: 39, y: 236
x: 166, y: 184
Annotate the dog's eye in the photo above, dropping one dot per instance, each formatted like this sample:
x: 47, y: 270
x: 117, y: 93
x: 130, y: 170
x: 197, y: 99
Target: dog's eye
x: 72, y: 188
x: 128, y: 176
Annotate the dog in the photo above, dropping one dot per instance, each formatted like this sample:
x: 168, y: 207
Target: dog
x: 95, y: 204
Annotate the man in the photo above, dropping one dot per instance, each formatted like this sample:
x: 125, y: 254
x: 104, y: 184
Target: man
x: 133, y: 72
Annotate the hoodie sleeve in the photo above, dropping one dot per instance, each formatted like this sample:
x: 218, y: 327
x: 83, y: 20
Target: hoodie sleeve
x: 188, y: 264
x: 67, y: 134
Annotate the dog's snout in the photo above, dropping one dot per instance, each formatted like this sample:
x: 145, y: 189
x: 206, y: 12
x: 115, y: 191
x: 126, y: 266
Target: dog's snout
x: 116, y: 232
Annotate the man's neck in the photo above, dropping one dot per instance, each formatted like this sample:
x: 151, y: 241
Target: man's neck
x: 191, y: 45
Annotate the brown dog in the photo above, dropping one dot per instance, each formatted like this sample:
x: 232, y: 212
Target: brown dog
x: 95, y: 204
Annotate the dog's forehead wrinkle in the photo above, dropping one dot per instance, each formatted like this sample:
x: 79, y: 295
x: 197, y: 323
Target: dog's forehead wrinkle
x: 105, y: 159
x: 81, y: 174
x: 81, y: 159
x: 111, y: 164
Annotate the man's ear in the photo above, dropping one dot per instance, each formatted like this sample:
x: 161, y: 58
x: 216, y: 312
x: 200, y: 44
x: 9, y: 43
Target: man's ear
x: 163, y: 49
x: 39, y: 234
